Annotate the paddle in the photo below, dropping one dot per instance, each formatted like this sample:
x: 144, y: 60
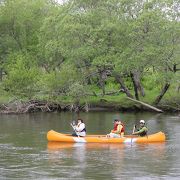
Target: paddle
x: 134, y: 127
x: 74, y: 129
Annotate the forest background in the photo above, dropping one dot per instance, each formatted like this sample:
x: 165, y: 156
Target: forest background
x: 89, y: 53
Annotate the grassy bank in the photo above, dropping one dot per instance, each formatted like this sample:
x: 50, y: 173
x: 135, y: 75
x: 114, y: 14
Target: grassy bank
x: 117, y: 101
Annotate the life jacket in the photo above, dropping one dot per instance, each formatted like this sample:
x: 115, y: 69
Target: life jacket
x: 144, y: 133
x: 122, y: 130
x: 84, y: 130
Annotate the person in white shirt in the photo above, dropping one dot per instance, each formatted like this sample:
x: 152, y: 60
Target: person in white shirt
x: 79, y: 129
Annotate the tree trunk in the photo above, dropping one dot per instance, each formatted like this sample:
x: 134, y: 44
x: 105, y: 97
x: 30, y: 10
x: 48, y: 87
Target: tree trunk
x: 123, y: 86
x: 147, y: 105
x: 135, y: 87
x: 102, y: 79
x: 163, y: 91
x: 137, y: 84
x: 1, y: 74
x: 102, y: 85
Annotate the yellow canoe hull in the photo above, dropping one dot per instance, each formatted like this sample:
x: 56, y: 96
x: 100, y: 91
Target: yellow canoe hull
x: 54, y: 136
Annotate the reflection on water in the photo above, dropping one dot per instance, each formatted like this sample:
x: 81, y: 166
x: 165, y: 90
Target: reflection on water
x: 25, y: 153
x: 61, y: 145
x: 109, y: 158
x: 89, y: 158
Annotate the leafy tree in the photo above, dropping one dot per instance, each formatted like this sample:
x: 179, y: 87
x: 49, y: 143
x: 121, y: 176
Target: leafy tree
x: 22, y: 76
x: 67, y: 49
x: 59, y: 82
x: 20, y: 21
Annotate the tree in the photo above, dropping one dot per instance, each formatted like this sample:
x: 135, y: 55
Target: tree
x: 20, y: 21
x: 22, y: 76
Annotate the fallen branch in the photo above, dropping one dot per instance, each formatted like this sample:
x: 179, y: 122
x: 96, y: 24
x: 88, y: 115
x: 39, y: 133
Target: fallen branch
x: 145, y: 104
x: 28, y: 108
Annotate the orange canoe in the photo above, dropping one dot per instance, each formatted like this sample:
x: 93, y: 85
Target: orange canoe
x: 59, y: 137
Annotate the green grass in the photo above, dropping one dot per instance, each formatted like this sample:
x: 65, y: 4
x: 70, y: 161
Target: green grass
x: 4, y: 97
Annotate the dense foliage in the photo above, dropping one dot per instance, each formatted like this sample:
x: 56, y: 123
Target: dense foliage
x: 81, y: 49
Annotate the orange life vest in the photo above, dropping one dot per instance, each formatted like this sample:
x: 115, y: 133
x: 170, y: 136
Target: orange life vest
x: 122, y: 130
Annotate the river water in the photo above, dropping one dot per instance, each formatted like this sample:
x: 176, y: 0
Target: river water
x: 26, y: 154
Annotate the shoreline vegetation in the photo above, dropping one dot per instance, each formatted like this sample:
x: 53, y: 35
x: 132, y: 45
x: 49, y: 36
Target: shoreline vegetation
x: 99, y: 104
x: 84, y: 55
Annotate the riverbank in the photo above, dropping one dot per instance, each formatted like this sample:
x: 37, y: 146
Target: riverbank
x: 106, y: 103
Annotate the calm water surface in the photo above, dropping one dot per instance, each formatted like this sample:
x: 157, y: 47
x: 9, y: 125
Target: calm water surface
x: 26, y: 154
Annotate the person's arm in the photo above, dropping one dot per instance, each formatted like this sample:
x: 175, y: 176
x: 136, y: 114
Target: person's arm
x: 118, y: 129
x: 80, y: 128
x: 140, y: 131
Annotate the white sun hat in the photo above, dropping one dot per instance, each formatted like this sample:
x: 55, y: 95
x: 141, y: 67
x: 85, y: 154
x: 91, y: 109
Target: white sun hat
x: 142, y: 121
